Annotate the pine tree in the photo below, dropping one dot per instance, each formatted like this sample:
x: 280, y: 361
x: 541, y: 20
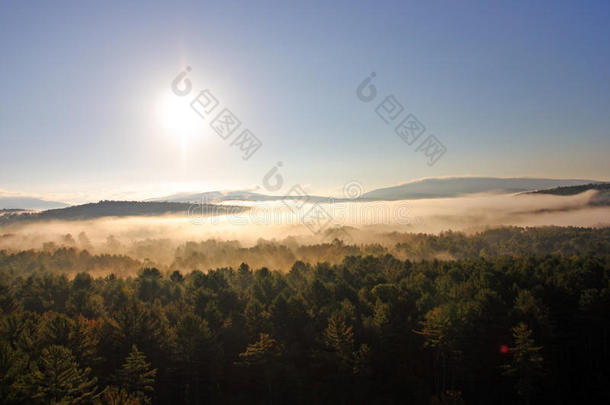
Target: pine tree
x: 340, y: 338
x: 362, y: 360
x: 136, y: 375
x: 441, y: 327
x: 527, y: 362
x: 262, y: 358
x: 261, y: 352
x: 74, y: 334
x: 117, y: 396
x: 57, y: 379
x: 13, y: 365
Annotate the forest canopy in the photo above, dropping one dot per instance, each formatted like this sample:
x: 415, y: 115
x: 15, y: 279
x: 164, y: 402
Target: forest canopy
x: 514, y: 315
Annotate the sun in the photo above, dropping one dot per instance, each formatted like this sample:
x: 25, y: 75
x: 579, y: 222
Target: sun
x: 177, y: 117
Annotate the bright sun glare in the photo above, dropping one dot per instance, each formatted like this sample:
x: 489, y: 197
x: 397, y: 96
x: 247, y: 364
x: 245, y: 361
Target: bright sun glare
x: 177, y: 117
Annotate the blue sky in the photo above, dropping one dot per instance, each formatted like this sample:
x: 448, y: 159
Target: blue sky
x: 510, y: 89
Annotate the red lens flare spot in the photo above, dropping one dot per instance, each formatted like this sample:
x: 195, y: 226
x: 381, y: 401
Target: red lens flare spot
x: 504, y: 349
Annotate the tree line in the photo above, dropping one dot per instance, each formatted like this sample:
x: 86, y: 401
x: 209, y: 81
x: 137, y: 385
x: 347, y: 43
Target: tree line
x: 509, y: 329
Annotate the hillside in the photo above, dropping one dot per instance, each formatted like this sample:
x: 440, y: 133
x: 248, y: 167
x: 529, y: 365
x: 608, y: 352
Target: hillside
x: 28, y: 203
x: 457, y: 186
x: 602, y: 197
x: 119, y: 209
x: 425, y: 188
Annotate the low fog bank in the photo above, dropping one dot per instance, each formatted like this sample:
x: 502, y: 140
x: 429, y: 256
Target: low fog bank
x: 164, y: 241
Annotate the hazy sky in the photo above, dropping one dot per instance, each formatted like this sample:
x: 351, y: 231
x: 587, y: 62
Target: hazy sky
x: 510, y: 89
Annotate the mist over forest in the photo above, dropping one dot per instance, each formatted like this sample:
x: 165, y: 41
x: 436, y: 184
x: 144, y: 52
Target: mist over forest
x: 388, y: 320
x: 246, y: 302
x: 311, y: 202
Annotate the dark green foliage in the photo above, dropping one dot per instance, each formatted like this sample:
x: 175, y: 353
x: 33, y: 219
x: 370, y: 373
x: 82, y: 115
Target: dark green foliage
x: 107, y: 208
x: 602, y: 197
x: 117, y: 396
x: 527, y: 364
x: 14, y: 364
x: 57, y: 379
x: 136, y: 376
x: 363, y: 329
x: 340, y: 339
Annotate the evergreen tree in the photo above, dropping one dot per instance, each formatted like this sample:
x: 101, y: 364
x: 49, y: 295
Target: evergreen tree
x: 196, y: 354
x: 527, y: 362
x: 136, y: 375
x: 261, y: 358
x: 261, y: 352
x: 340, y: 338
x: 57, y: 379
x: 117, y: 396
x: 13, y: 365
x: 74, y: 334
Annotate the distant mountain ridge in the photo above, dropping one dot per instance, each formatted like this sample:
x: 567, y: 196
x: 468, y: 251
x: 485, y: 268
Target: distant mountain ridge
x: 220, y: 196
x: 458, y: 186
x: 426, y: 188
x: 571, y: 190
x: 120, y: 209
x: 601, y: 198
x: 29, y: 203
